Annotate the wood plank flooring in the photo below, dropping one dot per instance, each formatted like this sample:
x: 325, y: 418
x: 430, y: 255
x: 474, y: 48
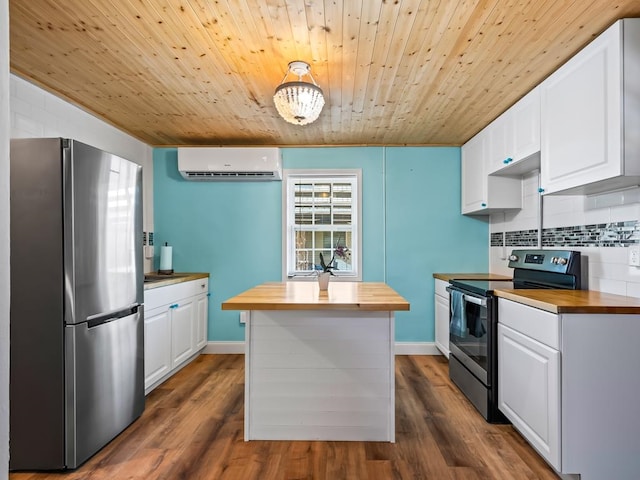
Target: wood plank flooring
x: 193, y: 429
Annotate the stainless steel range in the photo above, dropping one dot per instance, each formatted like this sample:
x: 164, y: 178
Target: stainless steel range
x: 473, y: 322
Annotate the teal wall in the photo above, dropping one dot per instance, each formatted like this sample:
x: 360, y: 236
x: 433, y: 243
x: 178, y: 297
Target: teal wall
x: 411, y: 211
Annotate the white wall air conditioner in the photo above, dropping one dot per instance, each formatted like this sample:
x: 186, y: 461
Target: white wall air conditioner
x: 230, y: 163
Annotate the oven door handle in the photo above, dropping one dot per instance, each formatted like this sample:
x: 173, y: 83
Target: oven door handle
x: 470, y: 298
x: 475, y: 300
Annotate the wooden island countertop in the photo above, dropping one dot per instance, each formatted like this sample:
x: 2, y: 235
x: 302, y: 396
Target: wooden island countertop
x: 305, y: 295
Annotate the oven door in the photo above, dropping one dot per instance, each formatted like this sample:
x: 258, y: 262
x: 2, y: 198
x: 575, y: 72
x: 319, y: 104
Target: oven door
x: 469, y: 332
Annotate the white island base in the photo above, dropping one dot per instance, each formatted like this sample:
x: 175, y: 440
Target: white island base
x: 319, y: 375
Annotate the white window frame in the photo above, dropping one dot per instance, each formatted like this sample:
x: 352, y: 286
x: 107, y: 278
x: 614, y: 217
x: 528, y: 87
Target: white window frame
x: 288, y: 233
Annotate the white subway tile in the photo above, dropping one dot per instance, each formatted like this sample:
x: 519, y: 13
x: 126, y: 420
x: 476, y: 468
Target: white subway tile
x: 58, y: 107
x: 498, y: 262
x: 618, y: 255
x: 617, y: 287
x: 18, y: 105
x: 556, y: 204
x: 565, y: 219
x: 530, y: 183
x: 593, y: 254
x: 30, y: 93
x: 27, y: 127
x: 633, y: 289
x: 495, y: 223
x: 600, y: 215
x: 625, y: 213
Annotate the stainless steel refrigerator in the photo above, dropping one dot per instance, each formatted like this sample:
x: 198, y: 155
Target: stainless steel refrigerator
x: 77, y: 349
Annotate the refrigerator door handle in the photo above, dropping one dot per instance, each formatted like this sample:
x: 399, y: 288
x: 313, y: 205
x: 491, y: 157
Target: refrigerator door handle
x: 99, y: 319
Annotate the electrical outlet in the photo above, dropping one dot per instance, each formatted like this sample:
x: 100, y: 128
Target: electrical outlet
x: 243, y: 316
x: 634, y: 256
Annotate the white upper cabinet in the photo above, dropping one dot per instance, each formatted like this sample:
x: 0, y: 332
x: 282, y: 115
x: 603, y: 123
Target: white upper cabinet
x: 483, y: 194
x: 515, y: 138
x: 474, y: 190
x: 500, y: 151
x: 526, y: 127
x: 590, y: 116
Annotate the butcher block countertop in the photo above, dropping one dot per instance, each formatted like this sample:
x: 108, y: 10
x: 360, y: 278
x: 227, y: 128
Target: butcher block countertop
x: 155, y: 280
x: 573, y: 301
x: 307, y: 296
x: 469, y: 276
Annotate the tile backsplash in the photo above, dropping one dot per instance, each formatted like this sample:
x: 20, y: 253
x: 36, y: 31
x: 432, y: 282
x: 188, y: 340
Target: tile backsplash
x: 616, y: 234
x: 602, y: 235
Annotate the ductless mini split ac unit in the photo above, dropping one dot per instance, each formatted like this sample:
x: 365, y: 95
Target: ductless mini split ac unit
x: 230, y: 163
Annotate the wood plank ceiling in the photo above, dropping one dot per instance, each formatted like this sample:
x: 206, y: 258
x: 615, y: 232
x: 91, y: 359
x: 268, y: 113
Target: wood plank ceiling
x: 394, y: 72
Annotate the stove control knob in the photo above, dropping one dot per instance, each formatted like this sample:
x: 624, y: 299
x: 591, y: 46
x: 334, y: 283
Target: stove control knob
x: 554, y: 260
x: 513, y: 258
x: 562, y: 261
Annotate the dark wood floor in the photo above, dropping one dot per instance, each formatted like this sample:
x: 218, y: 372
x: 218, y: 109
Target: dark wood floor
x: 192, y: 429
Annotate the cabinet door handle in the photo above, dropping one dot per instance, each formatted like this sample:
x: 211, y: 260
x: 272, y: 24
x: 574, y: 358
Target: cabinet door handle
x: 208, y: 294
x: 541, y: 190
x: 175, y: 305
x: 483, y: 204
x: 507, y: 160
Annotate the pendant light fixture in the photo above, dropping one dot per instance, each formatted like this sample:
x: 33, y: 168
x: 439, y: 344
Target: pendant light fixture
x: 299, y: 102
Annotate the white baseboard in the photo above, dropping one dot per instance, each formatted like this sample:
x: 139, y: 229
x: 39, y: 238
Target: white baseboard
x: 224, y: 347
x: 416, y: 348
x: 401, y: 348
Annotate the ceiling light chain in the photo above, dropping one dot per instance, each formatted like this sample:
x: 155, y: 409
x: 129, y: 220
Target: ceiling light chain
x: 299, y: 102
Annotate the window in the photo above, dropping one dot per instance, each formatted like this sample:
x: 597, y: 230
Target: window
x: 322, y: 210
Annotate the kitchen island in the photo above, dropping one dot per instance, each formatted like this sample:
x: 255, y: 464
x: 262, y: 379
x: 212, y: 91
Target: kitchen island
x: 319, y: 365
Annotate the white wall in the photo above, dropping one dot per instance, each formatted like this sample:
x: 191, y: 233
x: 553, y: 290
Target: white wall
x: 37, y: 113
x: 608, y: 269
x: 4, y: 239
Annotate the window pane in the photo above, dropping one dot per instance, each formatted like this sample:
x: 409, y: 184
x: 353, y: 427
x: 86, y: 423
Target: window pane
x: 323, y: 240
x: 342, y: 193
x: 322, y: 193
x: 342, y: 215
x: 343, y: 259
x: 303, y: 193
x: 304, y: 260
x: 304, y: 240
x: 327, y: 258
x: 322, y: 215
x: 303, y: 215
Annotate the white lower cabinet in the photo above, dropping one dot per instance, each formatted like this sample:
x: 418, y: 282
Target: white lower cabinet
x: 529, y: 375
x: 529, y: 393
x: 569, y: 383
x: 441, y: 306
x: 202, y: 319
x: 182, y: 320
x: 157, y: 343
x: 175, y: 328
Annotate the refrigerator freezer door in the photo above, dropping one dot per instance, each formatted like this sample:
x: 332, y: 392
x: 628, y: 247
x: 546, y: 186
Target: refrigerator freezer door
x: 104, y: 383
x: 103, y: 233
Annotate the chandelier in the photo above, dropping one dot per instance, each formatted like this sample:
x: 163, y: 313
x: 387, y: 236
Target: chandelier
x: 299, y: 102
